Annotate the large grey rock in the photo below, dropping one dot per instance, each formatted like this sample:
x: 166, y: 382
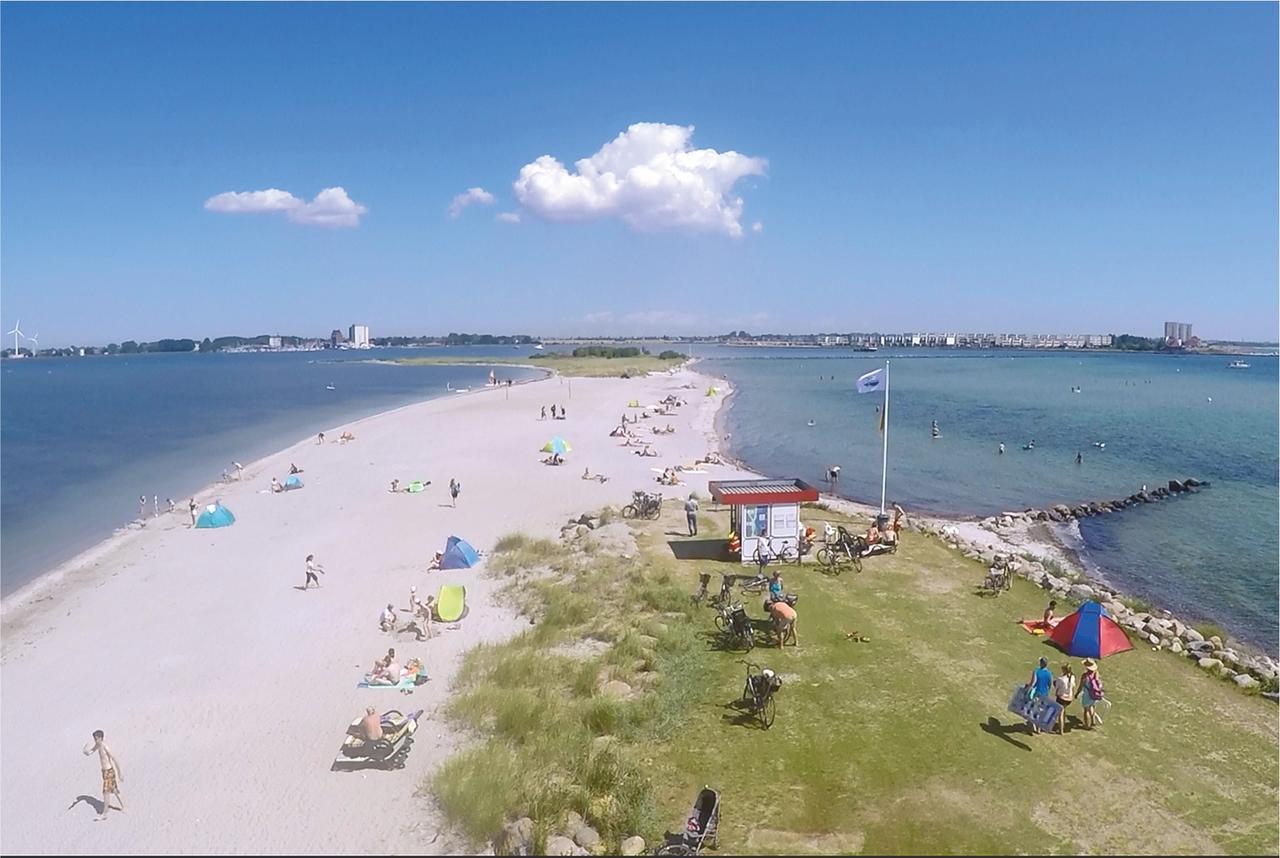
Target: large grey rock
x: 615, y: 688
x: 1216, y: 641
x: 1154, y: 640
x: 632, y: 846
x: 1175, y: 645
x: 587, y: 837
x: 1191, y: 635
x: 516, y: 838
x: 560, y: 845
x: 1244, y: 680
x: 1210, y: 663
x: 1082, y: 591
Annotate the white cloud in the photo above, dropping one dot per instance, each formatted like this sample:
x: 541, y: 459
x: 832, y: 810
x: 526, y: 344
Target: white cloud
x: 649, y: 177
x: 507, y: 217
x: 757, y: 227
x: 331, y: 207
x: 467, y: 197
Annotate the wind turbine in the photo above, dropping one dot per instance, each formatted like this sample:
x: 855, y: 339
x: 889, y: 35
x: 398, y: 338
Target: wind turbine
x: 17, y: 332
x: 35, y: 338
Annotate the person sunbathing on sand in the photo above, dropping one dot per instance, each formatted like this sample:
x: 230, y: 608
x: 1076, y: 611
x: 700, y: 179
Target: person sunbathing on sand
x: 371, y: 725
x: 646, y: 451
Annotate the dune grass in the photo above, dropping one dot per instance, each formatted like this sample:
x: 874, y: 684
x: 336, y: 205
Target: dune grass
x: 566, y: 365
x: 900, y: 744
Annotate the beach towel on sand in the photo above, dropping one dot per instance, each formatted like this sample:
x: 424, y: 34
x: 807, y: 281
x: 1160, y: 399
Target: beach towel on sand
x: 452, y: 602
x: 404, y: 683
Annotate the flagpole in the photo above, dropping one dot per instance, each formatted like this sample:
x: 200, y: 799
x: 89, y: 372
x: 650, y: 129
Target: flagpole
x: 884, y: 461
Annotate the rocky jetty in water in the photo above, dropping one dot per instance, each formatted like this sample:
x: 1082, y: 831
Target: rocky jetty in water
x: 1065, y: 512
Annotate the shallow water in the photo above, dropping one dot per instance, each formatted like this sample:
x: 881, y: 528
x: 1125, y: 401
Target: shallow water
x: 83, y: 437
x: 1211, y: 556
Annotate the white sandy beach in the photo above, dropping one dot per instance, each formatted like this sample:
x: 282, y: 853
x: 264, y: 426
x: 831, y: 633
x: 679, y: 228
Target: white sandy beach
x: 226, y: 691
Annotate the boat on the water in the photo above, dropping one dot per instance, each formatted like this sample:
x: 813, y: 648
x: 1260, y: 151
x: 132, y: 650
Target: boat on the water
x: 1237, y: 364
x: 330, y: 387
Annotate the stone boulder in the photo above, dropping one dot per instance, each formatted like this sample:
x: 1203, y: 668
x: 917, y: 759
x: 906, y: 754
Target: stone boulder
x: 632, y: 846
x: 1175, y: 645
x: 561, y: 845
x: 1175, y: 486
x: 1082, y: 591
x: 1246, y: 681
x: 587, y: 837
x: 1210, y: 663
x: 1191, y: 635
x: 516, y: 838
x: 615, y: 688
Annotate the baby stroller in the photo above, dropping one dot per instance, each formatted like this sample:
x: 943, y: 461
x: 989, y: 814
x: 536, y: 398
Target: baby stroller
x: 700, y: 830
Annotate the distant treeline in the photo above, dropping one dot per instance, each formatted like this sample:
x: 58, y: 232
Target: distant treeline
x: 1132, y: 343
x: 617, y: 352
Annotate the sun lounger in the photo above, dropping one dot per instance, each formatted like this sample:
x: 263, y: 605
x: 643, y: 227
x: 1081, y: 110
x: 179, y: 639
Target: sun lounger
x: 451, y: 603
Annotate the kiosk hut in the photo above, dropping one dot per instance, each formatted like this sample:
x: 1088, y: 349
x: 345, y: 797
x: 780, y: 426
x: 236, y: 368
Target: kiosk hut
x: 767, y: 509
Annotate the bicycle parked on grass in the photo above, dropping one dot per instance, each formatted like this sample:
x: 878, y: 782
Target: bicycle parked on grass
x: 757, y: 694
x: 841, y: 549
x: 735, y: 626
x: 643, y: 505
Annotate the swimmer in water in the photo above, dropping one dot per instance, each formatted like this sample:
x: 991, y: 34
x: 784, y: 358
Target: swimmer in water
x: 1001, y: 449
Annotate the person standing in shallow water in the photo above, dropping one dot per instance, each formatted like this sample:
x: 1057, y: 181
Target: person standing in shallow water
x: 1079, y: 458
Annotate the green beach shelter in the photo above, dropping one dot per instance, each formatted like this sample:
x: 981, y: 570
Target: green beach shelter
x: 416, y: 486
x: 215, y: 515
x: 635, y: 403
x: 713, y: 390
x: 557, y: 445
x: 451, y: 604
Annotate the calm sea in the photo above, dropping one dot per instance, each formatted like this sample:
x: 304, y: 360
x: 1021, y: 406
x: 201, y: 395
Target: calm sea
x: 1209, y: 556
x: 81, y: 438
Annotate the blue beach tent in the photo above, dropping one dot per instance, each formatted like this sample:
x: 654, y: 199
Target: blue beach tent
x: 1091, y: 632
x: 215, y: 515
x: 293, y: 482
x: 458, y: 554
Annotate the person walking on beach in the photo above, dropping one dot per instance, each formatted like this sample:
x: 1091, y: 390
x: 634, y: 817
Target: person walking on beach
x: 239, y: 470
x: 320, y: 438
x: 691, y: 514
x: 312, y: 568
x: 191, y: 508
x: 155, y: 505
x: 142, y: 506
x: 111, y: 775
x: 455, y: 488
x: 553, y: 411
x: 170, y: 502
x: 543, y: 414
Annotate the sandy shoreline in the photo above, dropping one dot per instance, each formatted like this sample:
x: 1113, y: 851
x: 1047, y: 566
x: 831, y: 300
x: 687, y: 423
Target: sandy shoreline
x: 226, y: 691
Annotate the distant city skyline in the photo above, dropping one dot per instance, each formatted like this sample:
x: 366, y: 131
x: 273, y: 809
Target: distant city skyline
x: 1039, y: 168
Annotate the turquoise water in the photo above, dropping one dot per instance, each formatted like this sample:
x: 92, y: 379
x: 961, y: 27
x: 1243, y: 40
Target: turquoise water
x: 83, y: 437
x: 1208, y: 556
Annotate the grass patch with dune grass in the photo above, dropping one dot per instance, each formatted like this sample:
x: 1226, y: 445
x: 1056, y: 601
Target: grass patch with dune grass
x: 899, y: 744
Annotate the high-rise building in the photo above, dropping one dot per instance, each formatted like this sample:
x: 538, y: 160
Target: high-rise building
x: 1170, y: 330
x: 360, y: 336
x: 1184, y: 331
x: 336, y: 338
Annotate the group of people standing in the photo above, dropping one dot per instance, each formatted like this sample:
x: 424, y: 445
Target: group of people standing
x: 563, y: 415
x: 1065, y: 687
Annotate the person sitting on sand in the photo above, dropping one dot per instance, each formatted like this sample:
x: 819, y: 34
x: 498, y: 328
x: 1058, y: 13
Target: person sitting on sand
x: 435, y: 562
x: 371, y: 725
x: 395, y: 486
x: 646, y: 451
x: 294, y: 469
x: 1048, y: 620
x: 387, y: 619
x: 275, y: 485
x: 873, y: 534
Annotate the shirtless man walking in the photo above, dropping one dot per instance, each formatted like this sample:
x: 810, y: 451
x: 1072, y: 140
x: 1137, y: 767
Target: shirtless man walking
x: 111, y: 776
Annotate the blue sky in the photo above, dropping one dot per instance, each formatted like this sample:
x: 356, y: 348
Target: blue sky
x: 1056, y: 168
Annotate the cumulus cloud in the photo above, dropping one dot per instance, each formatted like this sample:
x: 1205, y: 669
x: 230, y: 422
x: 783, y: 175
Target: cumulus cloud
x: 507, y: 217
x: 467, y: 197
x: 649, y: 177
x: 757, y: 227
x: 330, y: 207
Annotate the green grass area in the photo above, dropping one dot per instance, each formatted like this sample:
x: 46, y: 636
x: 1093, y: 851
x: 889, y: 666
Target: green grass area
x: 900, y: 744
x: 594, y: 367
